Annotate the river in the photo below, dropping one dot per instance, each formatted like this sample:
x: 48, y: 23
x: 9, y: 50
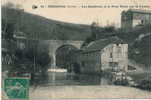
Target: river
x: 64, y: 78
x: 71, y: 86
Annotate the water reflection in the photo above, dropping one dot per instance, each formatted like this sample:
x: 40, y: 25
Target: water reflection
x: 76, y: 79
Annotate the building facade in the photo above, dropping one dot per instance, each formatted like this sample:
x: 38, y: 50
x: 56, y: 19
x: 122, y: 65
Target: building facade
x: 115, y: 57
x: 112, y: 55
x: 133, y: 18
x: 90, y: 61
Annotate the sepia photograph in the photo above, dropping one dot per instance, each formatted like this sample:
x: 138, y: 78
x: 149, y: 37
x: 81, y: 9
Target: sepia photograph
x: 75, y: 49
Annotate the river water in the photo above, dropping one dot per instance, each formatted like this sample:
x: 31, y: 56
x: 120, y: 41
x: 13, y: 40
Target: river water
x: 63, y: 78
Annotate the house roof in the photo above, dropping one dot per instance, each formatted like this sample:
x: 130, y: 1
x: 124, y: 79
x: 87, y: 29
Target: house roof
x: 100, y: 44
x: 140, y: 11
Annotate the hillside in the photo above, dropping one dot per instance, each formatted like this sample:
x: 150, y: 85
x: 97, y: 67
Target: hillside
x: 141, y: 51
x: 43, y: 28
x: 34, y: 26
x: 138, y: 39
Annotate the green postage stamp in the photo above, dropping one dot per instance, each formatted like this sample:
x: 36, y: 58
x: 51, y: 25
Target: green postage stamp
x: 17, y: 87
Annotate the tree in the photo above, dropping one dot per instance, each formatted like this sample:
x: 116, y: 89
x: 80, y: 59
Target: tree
x: 99, y: 33
x: 94, y: 30
x: 94, y: 34
x: 9, y: 31
x: 28, y: 60
x: 33, y: 61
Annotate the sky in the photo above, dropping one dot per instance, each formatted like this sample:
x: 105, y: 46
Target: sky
x: 77, y: 14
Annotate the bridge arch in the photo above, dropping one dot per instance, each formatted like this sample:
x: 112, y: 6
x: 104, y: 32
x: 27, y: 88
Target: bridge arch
x: 63, y: 55
x: 54, y: 45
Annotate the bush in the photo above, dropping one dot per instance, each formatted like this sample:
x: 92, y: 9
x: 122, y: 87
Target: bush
x: 121, y: 82
x: 145, y: 84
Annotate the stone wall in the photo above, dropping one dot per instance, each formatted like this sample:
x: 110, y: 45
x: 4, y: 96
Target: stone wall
x: 90, y: 62
x: 115, y: 57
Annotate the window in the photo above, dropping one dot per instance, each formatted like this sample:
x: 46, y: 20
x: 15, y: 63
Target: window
x: 83, y: 64
x: 142, y: 21
x: 113, y: 65
x: 131, y: 68
x: 111, y: 55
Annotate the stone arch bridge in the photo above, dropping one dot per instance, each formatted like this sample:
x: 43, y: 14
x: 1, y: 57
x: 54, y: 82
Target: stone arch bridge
x: 53, y: 45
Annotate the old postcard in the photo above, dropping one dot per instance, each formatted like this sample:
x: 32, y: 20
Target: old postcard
x: 76, y: 49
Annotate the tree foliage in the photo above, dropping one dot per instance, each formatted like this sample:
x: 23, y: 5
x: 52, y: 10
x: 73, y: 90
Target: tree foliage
x: 98, y: 32
x: 28, y: 60
x: 35, y: 60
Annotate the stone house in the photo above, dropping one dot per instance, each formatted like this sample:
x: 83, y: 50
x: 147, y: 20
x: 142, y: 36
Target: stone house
x: 133, y: 18
x: 102, y: 55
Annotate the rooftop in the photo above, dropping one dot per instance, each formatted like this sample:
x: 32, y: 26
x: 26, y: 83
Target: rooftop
x: 140, y: 11
x: 100, y: 44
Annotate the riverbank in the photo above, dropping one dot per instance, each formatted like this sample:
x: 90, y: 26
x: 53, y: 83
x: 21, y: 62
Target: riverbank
x: 141, y: 76
x: 45, y: 93
x: 85, y: 92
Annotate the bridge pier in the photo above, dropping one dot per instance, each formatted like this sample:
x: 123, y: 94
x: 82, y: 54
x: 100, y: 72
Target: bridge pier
x: 53, y: 64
